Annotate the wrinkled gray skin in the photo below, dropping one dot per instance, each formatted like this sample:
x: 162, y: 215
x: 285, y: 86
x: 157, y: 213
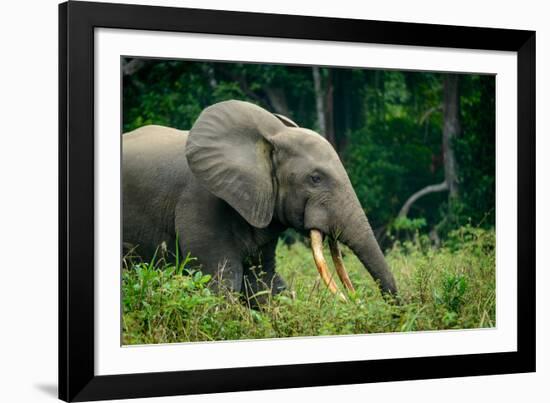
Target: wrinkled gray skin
x: 231, y: 185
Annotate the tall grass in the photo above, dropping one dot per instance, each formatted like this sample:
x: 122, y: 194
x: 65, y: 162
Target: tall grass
x: 451, y: 287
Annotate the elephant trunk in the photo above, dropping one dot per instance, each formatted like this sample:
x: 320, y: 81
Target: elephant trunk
x: 355, y: 232
x: 359, y: 237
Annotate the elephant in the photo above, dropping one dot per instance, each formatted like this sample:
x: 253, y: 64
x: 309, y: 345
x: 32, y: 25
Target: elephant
x: 226, y: 189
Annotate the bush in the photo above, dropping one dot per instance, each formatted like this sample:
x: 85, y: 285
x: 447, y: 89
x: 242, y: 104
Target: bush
x: 452, y: 287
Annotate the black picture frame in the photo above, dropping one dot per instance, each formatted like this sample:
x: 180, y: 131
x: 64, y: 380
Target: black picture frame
x: 77, y: 21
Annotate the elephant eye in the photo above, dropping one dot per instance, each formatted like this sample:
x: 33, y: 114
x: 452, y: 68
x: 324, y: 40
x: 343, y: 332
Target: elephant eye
x: 315, y: 178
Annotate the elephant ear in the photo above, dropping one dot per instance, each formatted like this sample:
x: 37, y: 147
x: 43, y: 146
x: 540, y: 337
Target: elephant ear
x: 229, y: 151
x: 286, y: 121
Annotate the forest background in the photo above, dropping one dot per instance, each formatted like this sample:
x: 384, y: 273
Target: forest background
x: 419, y: 145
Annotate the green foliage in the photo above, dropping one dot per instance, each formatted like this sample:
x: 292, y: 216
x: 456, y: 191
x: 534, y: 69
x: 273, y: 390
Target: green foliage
x: 173, y: 93
x: 392, y: 156
x: 408, y: 224
x: 475, y: 150
x: 452, y: 287
x: 399, y: 151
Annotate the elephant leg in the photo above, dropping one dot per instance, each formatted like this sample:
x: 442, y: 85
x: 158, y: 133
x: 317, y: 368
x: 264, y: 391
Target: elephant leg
x: 260, y: 278
x: 201, y: 224
x: 227, y: 273
x: 216, y: 256
x: 226, y: 270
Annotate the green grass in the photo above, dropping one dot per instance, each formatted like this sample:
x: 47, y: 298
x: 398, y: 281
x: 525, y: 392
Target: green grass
x: 452, y: 287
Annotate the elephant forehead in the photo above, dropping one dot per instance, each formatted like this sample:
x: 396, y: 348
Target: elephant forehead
x: 304, y: 141
x: 317, y: 148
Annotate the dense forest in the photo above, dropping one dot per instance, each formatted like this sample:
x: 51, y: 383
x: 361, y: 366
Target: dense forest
x: 419, y: 147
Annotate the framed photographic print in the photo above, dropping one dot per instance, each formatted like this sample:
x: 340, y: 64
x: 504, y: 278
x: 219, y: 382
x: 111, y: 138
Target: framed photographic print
x: 211, y: 161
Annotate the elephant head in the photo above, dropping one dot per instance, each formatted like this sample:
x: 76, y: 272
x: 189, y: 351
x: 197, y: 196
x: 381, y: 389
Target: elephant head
x: 267, y: 168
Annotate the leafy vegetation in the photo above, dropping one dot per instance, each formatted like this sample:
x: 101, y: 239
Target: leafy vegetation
x: 451, y: 287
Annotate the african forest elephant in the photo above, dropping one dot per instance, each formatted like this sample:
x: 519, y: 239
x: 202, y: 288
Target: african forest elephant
x: 231, y: 185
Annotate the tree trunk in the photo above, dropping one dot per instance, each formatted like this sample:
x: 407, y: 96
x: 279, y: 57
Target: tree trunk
x: 380, y: 94
x: 319, y: 104
x: 209, y: 72
x: 451, y: 129
x: 324, y: 104
x: 329, y: 110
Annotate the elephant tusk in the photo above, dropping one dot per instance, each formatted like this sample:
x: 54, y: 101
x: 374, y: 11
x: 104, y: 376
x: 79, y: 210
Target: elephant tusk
x: 321, y: 263
x: 339, y: 264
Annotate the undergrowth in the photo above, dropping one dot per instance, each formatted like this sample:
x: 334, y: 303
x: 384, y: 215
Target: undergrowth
x: 450, y: 287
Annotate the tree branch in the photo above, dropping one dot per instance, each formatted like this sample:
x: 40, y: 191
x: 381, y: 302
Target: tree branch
x: 429, y: 112
x: 422, y: 192
x: 131, y: 67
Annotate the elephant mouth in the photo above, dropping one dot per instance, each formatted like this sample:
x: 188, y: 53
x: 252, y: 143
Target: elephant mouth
x: 322, y: 267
